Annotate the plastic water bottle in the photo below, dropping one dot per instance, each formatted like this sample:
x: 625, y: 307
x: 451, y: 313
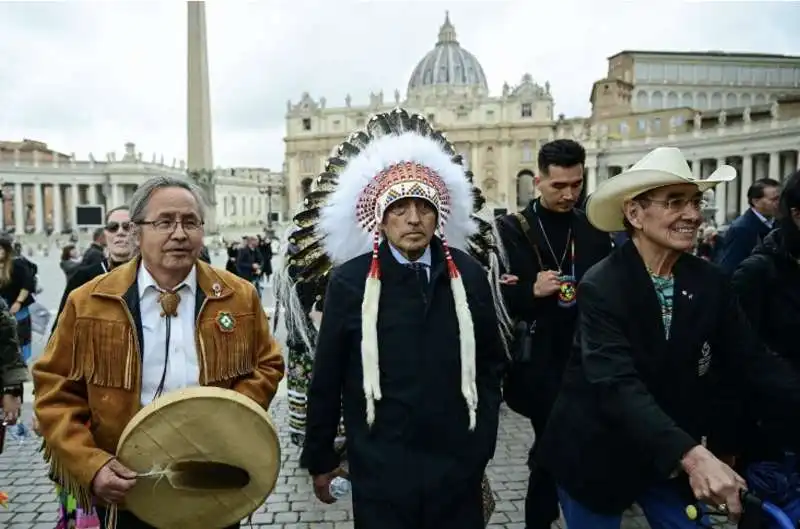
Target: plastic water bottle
x: 339, y: 487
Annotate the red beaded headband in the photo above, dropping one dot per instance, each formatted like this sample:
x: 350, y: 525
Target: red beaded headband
x: 402, y: 180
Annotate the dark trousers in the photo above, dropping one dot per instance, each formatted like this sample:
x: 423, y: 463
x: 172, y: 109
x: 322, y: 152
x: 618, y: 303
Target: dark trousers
x: 663, y: 507
x: 126, y: 520
x: 454, y: 509
x: 541, y: 502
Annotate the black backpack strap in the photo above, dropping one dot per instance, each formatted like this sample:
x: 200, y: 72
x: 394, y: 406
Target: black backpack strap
x: 526, y: 229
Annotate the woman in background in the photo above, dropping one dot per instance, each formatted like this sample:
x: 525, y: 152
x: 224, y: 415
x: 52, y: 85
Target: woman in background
x: 17, y: 286
x: 13, y: 371
x: 70, y: 259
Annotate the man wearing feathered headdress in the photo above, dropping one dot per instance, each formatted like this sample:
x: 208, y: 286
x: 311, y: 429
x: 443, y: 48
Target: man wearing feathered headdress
x: 409, y: 346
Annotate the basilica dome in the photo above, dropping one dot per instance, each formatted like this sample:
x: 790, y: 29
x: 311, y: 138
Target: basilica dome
x: 448, y: 64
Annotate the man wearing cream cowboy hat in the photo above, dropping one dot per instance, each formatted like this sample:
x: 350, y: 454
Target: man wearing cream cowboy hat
x: 658, y: 330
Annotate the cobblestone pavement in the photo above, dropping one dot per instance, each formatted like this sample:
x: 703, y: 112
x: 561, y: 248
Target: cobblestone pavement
x: 292, y: 505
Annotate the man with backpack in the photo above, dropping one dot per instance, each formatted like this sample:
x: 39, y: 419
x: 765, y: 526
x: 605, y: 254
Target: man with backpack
x: 549, y: 246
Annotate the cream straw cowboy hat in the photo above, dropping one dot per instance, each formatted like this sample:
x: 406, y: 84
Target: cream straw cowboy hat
x: 664, y: 166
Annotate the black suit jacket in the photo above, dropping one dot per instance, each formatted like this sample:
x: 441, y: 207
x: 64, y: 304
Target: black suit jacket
x: 632, y: 401
x: 94, y: 254
x: 244, y: 262
x: 741, y: 237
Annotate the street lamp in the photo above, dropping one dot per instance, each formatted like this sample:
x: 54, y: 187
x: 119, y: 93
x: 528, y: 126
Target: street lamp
x: 268, y: 190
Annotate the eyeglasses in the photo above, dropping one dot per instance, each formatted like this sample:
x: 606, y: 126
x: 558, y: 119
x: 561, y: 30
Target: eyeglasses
x: 677, y: 205
x: 113, y: 227
x: 169, y: 225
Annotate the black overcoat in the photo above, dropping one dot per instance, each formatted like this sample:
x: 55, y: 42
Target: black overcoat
x: 419, y: 458
x: 767, y: 285
x: 632, y: 401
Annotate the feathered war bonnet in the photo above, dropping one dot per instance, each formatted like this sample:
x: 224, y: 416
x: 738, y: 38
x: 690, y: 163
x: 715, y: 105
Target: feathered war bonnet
x: 398, y: 156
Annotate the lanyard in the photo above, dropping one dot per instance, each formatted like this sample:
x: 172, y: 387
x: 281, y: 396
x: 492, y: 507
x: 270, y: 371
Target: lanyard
x: 572, y: 255
x: 570, y: 246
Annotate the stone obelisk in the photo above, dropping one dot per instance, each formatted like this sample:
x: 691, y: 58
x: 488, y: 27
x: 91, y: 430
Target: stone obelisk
x: 200, y: 160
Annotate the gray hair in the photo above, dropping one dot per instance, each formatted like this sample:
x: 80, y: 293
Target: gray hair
x: 141, y: 197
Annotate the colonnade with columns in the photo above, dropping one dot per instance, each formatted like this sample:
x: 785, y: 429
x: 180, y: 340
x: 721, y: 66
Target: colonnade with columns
x: 730, y: 199
x: 41, y: 207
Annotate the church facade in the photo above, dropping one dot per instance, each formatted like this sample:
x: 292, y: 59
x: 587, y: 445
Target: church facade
x: 741, y: 109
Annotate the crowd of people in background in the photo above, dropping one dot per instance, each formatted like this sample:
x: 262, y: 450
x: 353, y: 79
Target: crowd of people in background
x: 251, y: 259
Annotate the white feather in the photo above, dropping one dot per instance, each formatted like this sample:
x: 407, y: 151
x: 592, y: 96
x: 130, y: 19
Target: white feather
x: 369, y: 345
x: 498, y: 241
x: 284, y: 288
x: 466, y: 335
x: 505, y: 323
x: 344, y: 237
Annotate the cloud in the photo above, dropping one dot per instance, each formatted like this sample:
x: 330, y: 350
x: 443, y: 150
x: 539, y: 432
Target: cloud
x: 90, y: 76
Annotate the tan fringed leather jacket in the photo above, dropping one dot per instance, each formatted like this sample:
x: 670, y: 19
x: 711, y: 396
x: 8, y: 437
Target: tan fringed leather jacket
x: 88, y: 379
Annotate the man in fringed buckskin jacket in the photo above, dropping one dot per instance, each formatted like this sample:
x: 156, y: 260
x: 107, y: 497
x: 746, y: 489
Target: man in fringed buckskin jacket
x: 159, y: 323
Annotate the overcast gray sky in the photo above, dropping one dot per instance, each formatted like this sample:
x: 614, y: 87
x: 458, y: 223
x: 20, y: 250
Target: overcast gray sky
x: 89, y: 76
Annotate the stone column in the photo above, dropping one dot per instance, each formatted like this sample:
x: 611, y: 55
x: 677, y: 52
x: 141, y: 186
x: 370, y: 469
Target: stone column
x: 511, y: 182
x: 762, y: 166
x: 720, y: 199
x: 291, y: 179
x: 91, y: 195
x: 117, y: 196
x: 774, y: 165
x: 38, y: 207
x: 473, y: 158
x: 696, y: 169
x: 75, y: 199
x: 58, y: 209
x: 745, y: 181
x: 19, y: 209
x: 591, y: 179
x: 786, y: 166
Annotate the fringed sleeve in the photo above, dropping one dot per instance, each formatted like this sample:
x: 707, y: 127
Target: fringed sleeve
x: 63, y: 412
x: 262, y: 383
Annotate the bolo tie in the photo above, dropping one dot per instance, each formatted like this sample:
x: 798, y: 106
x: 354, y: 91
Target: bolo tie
x: 169, y: 301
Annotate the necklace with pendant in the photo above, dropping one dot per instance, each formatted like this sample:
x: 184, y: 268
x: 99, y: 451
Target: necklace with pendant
x: 559, y: 263
x: 567, y: 290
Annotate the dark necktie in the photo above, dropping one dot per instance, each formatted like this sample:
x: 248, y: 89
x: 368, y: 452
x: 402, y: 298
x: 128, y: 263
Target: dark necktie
x: 422, y: 274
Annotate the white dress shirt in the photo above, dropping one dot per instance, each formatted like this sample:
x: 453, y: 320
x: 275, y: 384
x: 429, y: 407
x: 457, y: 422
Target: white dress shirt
x: 762, y: 218
x: 183, y: 368
x: 425, y: 259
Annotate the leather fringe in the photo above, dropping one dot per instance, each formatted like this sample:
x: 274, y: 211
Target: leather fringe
x: 59, y: 474
x: 229, y: 355
x: 103, y: 354
x: 111, y: 517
